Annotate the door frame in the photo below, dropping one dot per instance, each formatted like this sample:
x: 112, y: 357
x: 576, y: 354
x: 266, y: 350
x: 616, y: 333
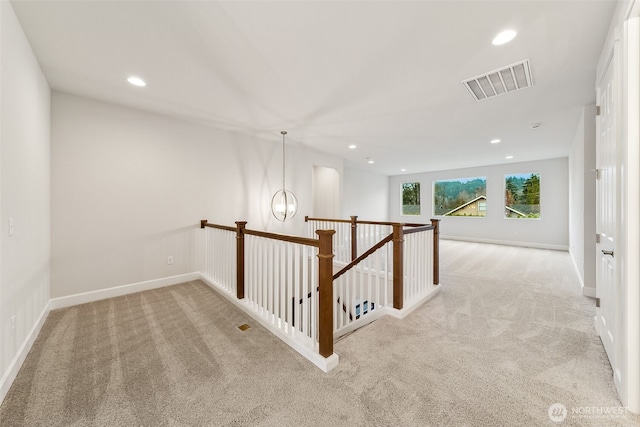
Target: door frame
x: 629, y: 226
x: 627, y: 251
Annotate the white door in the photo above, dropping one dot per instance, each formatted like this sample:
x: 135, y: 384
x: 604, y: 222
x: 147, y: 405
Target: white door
x: 607, y: 285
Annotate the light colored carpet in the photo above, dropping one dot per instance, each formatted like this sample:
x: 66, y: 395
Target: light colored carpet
x: 508, y: 335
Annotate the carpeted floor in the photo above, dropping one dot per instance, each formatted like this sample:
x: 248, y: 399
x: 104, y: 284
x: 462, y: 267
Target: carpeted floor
x: 508, y: 336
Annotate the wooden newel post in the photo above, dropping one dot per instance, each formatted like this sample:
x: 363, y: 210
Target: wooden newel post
x: 325, y: 297
x: 398, y: 266
x: 436, y: 251
x: 203, y: 222
x: 354, y: 237
x: 240, y: 226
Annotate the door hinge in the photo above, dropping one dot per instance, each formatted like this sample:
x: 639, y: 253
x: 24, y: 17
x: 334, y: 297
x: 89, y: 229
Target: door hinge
x: 597, y: 302
x: 597, y: 110
x: 597, y: 237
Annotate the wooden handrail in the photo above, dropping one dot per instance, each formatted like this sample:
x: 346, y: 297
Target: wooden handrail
x: 355, y: 262
x: 204, y: 223
x: 418, y: 229
x: 324, y: 243
x: 274, y: 236
x: 406, y: 224
x: 284, y: 238
x: 307, y: 219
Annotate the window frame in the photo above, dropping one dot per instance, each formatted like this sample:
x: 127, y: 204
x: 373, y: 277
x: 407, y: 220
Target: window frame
x: 507, y: 206
x: 402, y: 205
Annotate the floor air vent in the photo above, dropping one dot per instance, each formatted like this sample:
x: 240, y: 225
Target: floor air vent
x: 498, y: 82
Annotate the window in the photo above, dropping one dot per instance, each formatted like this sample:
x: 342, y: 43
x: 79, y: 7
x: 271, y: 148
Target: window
x: 460, y: 197
x: 522, y: 196
x: 411, y: 198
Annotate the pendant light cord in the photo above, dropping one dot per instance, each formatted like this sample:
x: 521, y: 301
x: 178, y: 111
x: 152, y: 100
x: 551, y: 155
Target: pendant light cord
x: 283, y: 164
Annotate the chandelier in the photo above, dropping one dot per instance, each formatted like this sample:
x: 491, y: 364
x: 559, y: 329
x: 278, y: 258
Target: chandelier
x: 284, y: 204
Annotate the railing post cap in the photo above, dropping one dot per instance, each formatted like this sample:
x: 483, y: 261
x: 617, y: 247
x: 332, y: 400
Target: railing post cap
x: 325, y: 232
x: 241, y: 223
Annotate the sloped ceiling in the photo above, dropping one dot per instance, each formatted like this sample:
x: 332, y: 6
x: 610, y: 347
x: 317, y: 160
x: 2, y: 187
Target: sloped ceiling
x: 385, y: 76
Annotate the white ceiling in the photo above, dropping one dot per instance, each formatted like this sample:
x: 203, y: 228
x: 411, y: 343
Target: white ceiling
x: 383, y: 75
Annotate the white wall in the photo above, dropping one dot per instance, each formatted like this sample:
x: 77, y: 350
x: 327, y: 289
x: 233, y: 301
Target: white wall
x: 129, y: 189
x: 582, y: 200
x: 550, y: 231
x: 326, y: 193
x: 366, y: 195
x: 25, y: 190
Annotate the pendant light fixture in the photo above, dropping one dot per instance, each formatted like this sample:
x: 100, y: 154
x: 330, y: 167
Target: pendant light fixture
x: 284, y: 204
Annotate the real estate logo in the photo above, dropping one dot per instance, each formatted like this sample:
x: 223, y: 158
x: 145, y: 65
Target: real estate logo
x: 557, y: 413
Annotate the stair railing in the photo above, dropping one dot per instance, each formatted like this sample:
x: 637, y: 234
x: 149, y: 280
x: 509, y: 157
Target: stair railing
x: 274, y: 272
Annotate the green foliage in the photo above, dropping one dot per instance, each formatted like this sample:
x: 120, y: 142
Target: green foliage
x: 411, y: 193
x: 522, y: 193
x: 531, y: 190
x: 448, y: 195
x: 411, y: 198
x: 410, y: 209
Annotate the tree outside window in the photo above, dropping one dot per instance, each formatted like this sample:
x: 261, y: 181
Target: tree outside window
x: 522, y: 196
x: 411, y: 198
x: 460, y: 197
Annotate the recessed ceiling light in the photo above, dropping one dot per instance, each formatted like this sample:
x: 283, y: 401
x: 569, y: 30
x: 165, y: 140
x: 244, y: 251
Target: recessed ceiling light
x: 370, y: 162
x: 495, y: 141
x: 403, y: 170
x: 508, y: 157
x: 504, y: 37
x: 352, y: 147
x: 136, y: 81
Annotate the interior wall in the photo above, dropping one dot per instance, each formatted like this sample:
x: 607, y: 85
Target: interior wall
x: 25, y: 189
x: 366, y: 195
x: 550, y: 231
x: 129, y: 189
x: 326, y: 192
x: 576, y: 198
x: 582, y: 196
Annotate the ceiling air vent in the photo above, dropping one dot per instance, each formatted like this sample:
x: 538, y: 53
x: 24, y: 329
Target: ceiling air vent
x: 498, y: 82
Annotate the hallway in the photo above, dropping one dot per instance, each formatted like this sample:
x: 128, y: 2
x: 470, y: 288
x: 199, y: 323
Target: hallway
x: 508, y: 336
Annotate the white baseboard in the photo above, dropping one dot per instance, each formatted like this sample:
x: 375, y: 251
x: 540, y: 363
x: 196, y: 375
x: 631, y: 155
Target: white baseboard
x: 117, y: 291
x: 575, y: 265
x: 325, y: 364
x: 362, y: 321
x: 401, y: 314
x: 507, y: 243
x: 586, y: 290
x: 71, y: 300
x: 18, y: 360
